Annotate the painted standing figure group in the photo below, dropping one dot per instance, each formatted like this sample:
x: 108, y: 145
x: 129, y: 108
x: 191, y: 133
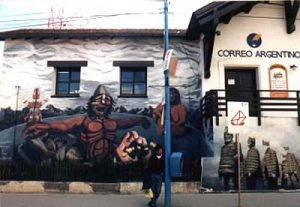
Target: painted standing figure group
x: 253, y: 169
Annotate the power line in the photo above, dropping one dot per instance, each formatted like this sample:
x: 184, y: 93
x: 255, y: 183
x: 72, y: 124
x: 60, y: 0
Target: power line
x: 17, y: 15
x: 71, y: 19
x: 104, y: 15
x: 23, y: 20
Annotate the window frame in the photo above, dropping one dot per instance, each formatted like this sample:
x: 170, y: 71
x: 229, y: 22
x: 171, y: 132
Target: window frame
x: 69, y: 81
x: 68, y: 66
x: 134, y: 70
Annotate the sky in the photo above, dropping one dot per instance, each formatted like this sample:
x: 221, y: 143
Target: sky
x: 20, y: 14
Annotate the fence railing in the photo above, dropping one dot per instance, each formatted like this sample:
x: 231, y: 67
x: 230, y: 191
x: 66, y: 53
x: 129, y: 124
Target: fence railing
x: 71, y: 171
x: 68, y: 171
x: 214, y: 103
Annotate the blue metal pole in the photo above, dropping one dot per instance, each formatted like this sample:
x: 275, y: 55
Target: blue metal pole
x: 167, y: 114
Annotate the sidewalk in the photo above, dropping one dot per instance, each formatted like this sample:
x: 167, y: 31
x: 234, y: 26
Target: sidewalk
x: 139, y: 200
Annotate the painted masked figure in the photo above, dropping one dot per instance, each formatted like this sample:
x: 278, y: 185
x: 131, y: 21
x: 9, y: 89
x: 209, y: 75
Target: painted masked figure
x: 177, y: 113
x: 289, y: 170
x: 96, y: 130
x: 228, y: 162
x: 271, y: 166
x: 252, y: 165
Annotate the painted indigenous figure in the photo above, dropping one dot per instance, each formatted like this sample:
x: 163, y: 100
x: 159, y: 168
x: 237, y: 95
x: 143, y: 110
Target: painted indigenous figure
x: 271, y: 166
x: 96, y: 130
x: 34, y: 104
x: 177, y: 113
x: 252, y: 165
x: 228, y: 162
x: 289, y: 170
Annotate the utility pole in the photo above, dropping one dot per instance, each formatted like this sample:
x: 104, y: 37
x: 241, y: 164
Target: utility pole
x: 15, y: 120
x: 167, y: 137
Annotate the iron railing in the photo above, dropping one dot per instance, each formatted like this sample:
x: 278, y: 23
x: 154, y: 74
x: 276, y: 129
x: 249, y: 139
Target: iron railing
x: 65, y: 170
x: 214, y: 103
x: 68, y: 170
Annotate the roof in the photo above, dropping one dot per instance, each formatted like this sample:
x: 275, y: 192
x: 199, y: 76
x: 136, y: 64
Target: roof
x: 209, y: 16
x: 87, y: 33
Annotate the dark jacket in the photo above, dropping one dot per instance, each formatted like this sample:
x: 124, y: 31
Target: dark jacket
x: 155, y: 165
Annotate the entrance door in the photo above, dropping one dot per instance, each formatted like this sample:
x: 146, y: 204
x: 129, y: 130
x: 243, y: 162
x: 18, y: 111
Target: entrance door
x: 240, y: 85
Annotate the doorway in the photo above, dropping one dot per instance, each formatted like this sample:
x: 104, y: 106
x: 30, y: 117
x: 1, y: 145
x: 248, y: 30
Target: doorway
x: 240, y: 85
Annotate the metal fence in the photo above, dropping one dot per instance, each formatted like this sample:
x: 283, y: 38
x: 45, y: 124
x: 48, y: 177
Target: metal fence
x: 71, y: 171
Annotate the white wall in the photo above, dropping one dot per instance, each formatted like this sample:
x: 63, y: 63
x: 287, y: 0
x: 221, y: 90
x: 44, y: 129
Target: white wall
x: 1, y: 52
x: 26, y: 65
x: 1, y: 74
x: 2, y: 77
x: 1, y: 58
x: 269, y: 21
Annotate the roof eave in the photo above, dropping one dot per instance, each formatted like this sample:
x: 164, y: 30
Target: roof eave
x: 214, y: 13
x: 88, y: 34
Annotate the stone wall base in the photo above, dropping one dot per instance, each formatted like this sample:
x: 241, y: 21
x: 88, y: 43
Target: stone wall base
x: 88, y: 188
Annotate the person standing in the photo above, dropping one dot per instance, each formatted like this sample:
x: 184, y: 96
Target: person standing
x: 156, y: 169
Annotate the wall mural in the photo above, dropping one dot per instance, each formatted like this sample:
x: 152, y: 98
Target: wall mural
x: 266, y: 160
x: 95, y: 132
x: 177, y: 113
x: 99, y: 128
x: 98, y: 133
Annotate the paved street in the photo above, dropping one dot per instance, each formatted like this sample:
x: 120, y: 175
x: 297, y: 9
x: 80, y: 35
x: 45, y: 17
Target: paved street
x: 178, y: 200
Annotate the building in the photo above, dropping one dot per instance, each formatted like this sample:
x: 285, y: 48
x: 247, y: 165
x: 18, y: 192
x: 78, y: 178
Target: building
x: 251, y: 54
x: 66, y: 74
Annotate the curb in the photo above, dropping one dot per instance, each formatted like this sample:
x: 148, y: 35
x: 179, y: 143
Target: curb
x: 88, y: 188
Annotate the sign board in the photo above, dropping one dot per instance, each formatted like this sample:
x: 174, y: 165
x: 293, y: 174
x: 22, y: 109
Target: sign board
x: 167, y: 60
x: 170, y: 63
x: 238, y: 116
x: 278, y: 81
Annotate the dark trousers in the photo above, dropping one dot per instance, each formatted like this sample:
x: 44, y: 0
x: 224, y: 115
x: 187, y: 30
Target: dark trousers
x: 272, y: 183
x: 156, y: 182
x: 291, y: 181
x: 146, y: 180
x: 229, y: 181
x: 251, y: 182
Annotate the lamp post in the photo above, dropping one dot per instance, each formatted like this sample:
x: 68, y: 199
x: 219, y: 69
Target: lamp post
x: 167, y: 137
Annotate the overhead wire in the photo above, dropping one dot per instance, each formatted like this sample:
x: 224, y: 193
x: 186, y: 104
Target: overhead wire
x: 17, y: 15
x: 22, y: 20
x: 66, y: 20
x: 103, y: 15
